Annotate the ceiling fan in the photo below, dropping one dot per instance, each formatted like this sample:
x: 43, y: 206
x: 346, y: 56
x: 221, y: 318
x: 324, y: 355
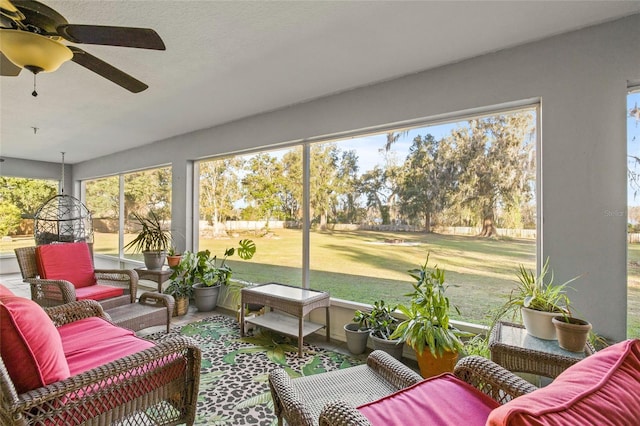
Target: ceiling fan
x: 30, y: 34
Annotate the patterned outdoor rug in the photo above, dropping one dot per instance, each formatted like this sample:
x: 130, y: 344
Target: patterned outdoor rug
x: 233, y: 380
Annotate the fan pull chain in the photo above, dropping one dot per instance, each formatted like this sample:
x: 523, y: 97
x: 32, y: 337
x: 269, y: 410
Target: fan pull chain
x: 34, y: 93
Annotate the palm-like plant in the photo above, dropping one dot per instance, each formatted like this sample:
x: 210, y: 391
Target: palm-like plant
x: 427, y: 322
x: 152, y: 237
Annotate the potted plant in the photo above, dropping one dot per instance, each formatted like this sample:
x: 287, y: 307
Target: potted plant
x: 427, y: 323
x: 538, y: 300
x: 572, y: 332
x: 357, y: 332
x: 173, y: 257
x: 206, y: 275
x: 152, y: 240
x: 181, y: 288
x: 383, y: 324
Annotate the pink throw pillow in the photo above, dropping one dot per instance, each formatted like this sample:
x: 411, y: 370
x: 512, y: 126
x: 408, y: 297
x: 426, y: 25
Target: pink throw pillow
x: 441, y: 400
x: 602, y: 389
x: 68, y: 261
x: 4, y: 291
x: 31, y: 347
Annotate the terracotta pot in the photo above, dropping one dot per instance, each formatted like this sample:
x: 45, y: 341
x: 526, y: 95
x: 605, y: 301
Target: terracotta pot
x: 181, y: 306
x: 572, y: 333
x: 431, y: 365
x: 538, y: 323
x: 173, y: 261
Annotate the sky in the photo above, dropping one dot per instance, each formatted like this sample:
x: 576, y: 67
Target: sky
x: 633, y: 143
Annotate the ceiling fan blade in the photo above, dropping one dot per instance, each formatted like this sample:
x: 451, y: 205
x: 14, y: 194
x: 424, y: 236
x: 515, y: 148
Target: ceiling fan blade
x: 106, y: 70
x: 9, y: 10
x: 143, y: 38
x: 8, y: 68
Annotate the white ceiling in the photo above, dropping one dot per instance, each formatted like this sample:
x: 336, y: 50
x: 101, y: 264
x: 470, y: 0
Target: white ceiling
x: 228, y: 60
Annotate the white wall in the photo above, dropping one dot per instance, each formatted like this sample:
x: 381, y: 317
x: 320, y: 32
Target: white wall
x: 580, y: 79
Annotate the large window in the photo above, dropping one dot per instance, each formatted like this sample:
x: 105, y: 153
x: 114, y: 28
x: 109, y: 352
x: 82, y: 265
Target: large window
x: 142, y: 192
x: 20, y: 198
x: 256, y: 196
x: 633, y: 201
x: 463, y: 192
x: 102, y: 197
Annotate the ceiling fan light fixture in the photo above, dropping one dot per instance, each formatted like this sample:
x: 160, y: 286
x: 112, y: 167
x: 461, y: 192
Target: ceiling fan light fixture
x: 33, y: 51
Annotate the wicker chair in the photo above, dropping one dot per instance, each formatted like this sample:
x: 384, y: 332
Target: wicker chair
x: 49, y: 293
x: 156, y: 386
x: 330, y: 398
x: 301, y: 400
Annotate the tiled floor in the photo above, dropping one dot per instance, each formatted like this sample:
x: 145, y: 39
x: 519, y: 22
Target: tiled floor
x: 17, y: 286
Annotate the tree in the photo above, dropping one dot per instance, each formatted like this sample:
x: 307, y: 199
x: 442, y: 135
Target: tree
x: 102, y: 197
x: 373, y: 185
x: 324, y: 181
x: 148, y: 190
x: 263, y: 185
x: 10, y: 218
x: 219, y: 188
x: 497, y: 165
x: 428, y: 180
x: 291, y: 195
x: 27, y: 195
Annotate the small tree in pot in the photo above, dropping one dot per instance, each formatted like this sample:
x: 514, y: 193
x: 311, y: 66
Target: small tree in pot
x: 152, y: 240
x: 427, y: 324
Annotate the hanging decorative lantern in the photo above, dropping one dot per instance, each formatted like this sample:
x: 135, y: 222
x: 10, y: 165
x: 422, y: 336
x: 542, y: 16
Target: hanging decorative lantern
x: 63, y: 219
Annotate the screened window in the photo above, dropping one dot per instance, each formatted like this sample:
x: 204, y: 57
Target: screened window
x: 462, y: 192
x: 20, y: 198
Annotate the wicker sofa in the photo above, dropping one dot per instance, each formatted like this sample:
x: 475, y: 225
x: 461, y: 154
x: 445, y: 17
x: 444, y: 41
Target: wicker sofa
x: 602, y: 389
x: 93, y: 373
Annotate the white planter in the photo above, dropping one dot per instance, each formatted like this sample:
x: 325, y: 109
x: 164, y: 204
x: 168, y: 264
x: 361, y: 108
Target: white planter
x: 539, y: 324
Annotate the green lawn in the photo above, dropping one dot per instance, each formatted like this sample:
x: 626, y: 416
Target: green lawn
x: 359, y: 266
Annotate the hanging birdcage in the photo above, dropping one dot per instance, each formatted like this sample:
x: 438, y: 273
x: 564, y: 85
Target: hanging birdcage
x: 64, y: 219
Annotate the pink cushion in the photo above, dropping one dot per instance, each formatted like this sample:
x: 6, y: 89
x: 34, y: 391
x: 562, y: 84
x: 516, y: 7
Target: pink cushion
x: 4, y: 291
x: 85, y: 351
x: 440, y: 400
x: 68, y: 261
x: 30, y: 345
x: 602, y: 389
x: 98, y: 292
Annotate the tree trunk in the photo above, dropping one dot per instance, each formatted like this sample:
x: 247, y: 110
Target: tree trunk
x: 488, y: 227
x: 427, y: 222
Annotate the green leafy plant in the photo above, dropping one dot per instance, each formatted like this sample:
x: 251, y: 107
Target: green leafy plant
x: 201, y: 267
x: 152, y: 237
x: 427, y: 322
x: 381, y: 320
x: 362, y: 318
x: 538, y: 293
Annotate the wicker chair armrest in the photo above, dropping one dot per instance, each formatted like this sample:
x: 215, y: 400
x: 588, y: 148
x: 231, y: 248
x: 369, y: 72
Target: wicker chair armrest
x: 286, y: 399
x: 111, y: 377
x: 492, y: 379
x: 341, y: 413
x: 51, y: 292
x: 392, y: 370
x: 119, y: 277
x: 157, y: 299
x: 75, y: 311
